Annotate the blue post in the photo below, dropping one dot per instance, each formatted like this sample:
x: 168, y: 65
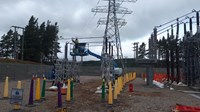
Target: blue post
x: 30, y: 102
x: 59, y: 96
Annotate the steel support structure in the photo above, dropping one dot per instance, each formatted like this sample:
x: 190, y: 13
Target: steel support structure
x: 185, y: 53
x: 65, y: 69
x: 135, y: 50
x: 112, y: 35
x: 15, y: 53
x: 191, y: 48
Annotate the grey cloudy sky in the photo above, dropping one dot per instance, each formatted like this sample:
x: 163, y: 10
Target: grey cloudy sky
x: 76, y: 19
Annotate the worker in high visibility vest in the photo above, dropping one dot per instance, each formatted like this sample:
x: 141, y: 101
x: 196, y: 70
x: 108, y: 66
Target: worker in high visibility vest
x: 76, y: 42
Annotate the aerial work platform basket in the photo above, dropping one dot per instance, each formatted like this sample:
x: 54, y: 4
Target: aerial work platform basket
x: 78, y: 50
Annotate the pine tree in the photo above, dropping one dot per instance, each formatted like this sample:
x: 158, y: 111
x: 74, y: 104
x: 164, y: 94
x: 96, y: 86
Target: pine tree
x: 41, y: 33
x: 2, y: 46
x: 40, y: 42
x: 7, y: 44
x: 50, y: 42
x: 142, y: 51
x: 32, y: 41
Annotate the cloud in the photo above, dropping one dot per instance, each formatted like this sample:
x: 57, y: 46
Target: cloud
x: 75, y: 18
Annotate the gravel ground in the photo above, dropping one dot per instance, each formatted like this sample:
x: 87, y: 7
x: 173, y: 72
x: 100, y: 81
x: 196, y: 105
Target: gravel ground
x: 143, y: 99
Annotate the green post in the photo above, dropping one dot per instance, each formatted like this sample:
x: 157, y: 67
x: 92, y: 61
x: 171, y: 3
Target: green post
x: 103, y: 91
x: 43, y: 88
x: 71, y: 89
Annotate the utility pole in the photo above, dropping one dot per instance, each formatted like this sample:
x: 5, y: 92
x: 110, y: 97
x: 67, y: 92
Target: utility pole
x: 135, y: 49
x: 15, y: 42
x: 66, y: 50
x: 112, y: 33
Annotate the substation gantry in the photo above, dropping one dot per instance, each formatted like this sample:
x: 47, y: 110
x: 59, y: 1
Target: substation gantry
x: 191, y: 51
x: 185, y: 54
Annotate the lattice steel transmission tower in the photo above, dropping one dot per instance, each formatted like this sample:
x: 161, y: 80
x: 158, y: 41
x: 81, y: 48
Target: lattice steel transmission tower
x: 111, y: 41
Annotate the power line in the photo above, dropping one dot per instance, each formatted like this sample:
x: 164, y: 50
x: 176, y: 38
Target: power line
x: 176, y: 19
x: 80, y: 38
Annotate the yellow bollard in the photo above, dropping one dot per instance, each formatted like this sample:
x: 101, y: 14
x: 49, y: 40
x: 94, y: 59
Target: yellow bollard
x: 37, y: 94
x: 129, y: 77
x: 134, y: 75
x: 19, y: 86
x: 110, y: 95
x: 68, y: 90
x: 5, y: 93
x: 116, y: 90
x: 120, y: 82
x: 123, y: 79
x: 126, y: 78
x: 118, y: 85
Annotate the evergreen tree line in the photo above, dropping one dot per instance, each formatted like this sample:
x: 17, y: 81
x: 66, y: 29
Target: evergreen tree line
x: 40, y: 42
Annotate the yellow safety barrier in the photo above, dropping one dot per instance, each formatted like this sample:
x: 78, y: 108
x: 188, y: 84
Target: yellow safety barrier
x: 116, y: 90
x: 37, y: 92
x: 68, y: 90
x: 126, y: 76
x: 131, y: 75
x: 134, y: 75
x: 110, y: 95
x: 5, y: 93
x: 124, y: 80
x: 121, y: 83
x: 118, y: 85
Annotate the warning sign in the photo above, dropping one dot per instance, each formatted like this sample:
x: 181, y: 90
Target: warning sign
x: 16, y: 96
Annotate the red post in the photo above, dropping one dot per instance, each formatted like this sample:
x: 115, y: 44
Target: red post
x: 130, y: 87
